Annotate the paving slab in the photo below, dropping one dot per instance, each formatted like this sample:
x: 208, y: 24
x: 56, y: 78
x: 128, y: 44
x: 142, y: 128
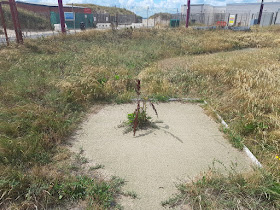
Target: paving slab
x: 186, y: 143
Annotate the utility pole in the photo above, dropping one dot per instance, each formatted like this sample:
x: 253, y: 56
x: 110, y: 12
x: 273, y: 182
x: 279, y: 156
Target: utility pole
x: 188, y: 13
x: 61, y: 15
x: 260, y: 13
x: 148, y: 17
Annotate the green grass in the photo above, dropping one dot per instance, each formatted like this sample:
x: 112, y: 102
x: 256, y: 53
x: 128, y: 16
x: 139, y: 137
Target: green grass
x: 28, y: 20
x: 214, y: 190
x: 163, y: 16
x: 47, y: 86
x: 104, y: 9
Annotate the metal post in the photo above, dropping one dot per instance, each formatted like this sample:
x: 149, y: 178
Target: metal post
x: 17, y: 22
x: 74, y: 21
x: 4, y: 24
x: 177, y: 17
x: 61, y: 15
x: 260, y: 13
x: 188, y: 13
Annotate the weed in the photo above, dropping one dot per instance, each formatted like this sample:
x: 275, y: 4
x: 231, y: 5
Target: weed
x: 234, y: 138
x: 131, y: 194
x: 139, y: 118
x: 216, y: 191
x: 80, y: 159
x: 98, y: 166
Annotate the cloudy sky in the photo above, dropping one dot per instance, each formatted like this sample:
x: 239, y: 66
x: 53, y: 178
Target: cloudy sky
x: 140, y: 6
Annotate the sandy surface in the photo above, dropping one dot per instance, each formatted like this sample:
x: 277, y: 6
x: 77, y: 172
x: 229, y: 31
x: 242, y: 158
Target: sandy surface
x: 186, y: 143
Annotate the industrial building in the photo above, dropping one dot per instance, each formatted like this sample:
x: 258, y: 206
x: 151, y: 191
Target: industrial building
x: 76, y: 15
x: 245, y: 13
x: 51, y: 12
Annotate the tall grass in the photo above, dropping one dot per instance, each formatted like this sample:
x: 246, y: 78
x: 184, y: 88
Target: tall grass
x: 243, y: 86
x: 47, y: 85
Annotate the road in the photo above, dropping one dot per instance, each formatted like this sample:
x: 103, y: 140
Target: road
x: 31, y: 35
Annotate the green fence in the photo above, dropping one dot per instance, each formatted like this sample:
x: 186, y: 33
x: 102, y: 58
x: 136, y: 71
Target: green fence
x: 79, y: 17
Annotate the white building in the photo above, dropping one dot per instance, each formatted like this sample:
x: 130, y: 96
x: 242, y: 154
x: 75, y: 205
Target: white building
x: 245, y: 13
x: 149, y: 23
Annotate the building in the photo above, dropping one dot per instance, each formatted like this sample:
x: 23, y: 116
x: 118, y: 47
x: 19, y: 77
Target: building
x: 250, y: 11
x: 245, y: 13
x: 81, y: 14
x: 204, y: 13
x: 51, y: 12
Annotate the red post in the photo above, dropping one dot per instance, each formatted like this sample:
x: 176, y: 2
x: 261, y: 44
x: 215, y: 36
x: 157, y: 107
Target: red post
x: 14, y: 13
x: 13, y: 18
x: 18, y: 23
x: 4, y: 24
x: 61, y: 15
x: 188, y: 13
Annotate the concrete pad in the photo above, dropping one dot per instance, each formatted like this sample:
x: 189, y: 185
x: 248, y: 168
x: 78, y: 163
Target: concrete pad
x: 153, y: 161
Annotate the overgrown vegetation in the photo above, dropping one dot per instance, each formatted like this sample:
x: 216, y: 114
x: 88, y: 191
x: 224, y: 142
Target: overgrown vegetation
x: 162, y: 16
x: 28, y: 20
x: 235, y: 191
x: 46, y: 85
x: 139, y: 118
x: 109, y: 10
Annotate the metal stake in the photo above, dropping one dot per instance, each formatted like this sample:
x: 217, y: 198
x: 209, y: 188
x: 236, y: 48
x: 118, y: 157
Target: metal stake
x: 61, y: 15
x: 18, y: 29
x: 4, y: 24
x: 260, y: 13
x: 188, y: 13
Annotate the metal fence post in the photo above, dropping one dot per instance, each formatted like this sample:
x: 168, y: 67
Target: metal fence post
x: 61, y: 15
x: 18, y: 23
x: 188, y: 13
x: 260, y: 13
x: 15, y: 21
x: 4, y: 24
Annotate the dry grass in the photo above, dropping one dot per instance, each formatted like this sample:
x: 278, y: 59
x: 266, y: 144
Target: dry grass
x: 244, y: 88
x: 47, y: 85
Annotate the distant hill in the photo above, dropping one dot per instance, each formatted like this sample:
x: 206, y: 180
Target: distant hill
x: 163, y: 16
x: 110, y: 10
x: 28, y: 20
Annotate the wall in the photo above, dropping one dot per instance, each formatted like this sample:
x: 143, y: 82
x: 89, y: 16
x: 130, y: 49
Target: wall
x: 151, y: 23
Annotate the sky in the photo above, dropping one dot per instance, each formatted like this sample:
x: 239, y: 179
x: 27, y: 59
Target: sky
x: 140, y: 6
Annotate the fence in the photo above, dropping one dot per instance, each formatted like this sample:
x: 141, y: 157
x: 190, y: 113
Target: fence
x: 210, y: 19
x: 35, y: 23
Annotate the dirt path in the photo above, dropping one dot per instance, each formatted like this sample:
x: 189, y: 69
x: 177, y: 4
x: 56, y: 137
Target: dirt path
x: 186, y: 143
